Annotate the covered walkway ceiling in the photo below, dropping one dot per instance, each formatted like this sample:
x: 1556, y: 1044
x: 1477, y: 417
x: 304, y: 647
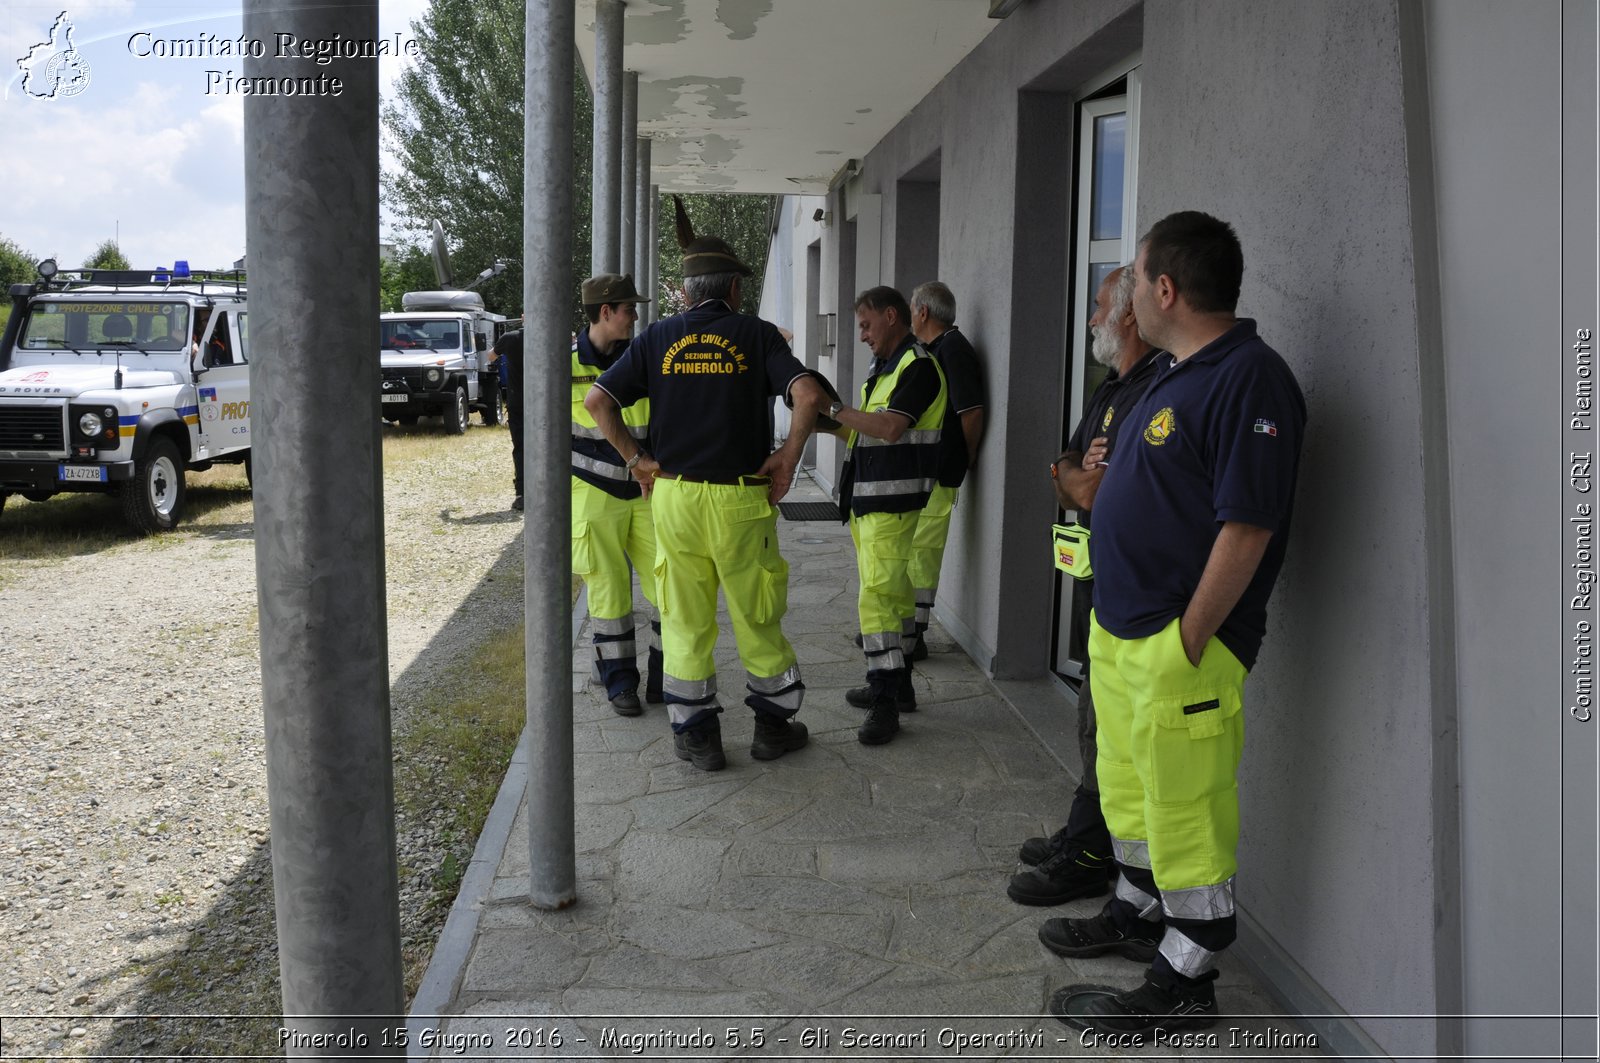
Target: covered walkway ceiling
x: 775, y: 96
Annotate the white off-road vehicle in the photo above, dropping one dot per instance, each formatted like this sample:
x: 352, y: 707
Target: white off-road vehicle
x: 120, y: 381
x: 436, y: 357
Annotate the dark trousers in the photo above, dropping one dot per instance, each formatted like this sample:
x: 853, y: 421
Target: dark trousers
x: 514, y: 424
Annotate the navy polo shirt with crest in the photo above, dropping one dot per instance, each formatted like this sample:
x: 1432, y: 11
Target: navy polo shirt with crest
x: 1215, y: 438
x: 709, y: 373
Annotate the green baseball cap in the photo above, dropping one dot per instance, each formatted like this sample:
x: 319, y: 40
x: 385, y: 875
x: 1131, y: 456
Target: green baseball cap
x: 611, y: 288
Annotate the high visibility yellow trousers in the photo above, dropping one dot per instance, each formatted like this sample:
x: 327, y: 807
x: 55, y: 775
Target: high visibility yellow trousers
x: 885, y: 605
x: 711, y: 535
x: 1169, y: 737
x: 607, y: 533
x: 927, y: 551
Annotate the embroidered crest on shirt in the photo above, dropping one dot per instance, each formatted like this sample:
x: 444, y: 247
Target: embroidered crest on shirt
x: 1265, y: 427
x: 1161, y: 427
x: 1105, y: 422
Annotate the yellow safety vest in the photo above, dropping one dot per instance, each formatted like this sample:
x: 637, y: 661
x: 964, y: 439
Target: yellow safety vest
x: 595, y: 460
x: 898, y: 477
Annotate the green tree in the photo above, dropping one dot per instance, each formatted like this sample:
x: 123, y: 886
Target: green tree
x: 16, y: 267
x: 411, y: 270
x: 108, y: 256
x: 455, y: 126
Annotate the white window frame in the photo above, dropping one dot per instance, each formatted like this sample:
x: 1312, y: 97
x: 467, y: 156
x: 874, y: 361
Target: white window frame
x: 1085, y: 251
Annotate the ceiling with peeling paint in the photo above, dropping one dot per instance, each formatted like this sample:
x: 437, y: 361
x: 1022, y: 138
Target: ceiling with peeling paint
x: 776, y: 95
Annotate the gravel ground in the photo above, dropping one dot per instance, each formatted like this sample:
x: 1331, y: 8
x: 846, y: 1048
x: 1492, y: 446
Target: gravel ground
x: 134, y: 871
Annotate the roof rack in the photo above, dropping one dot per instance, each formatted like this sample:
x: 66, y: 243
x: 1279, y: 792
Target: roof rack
x: 232, y: 280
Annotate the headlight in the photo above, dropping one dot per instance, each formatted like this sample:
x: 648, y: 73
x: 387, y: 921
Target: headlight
x: 433, y: 376
x: 89, y: 424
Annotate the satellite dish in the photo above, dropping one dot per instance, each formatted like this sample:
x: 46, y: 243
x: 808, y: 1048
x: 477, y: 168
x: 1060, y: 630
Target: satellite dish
x: 441, y: 258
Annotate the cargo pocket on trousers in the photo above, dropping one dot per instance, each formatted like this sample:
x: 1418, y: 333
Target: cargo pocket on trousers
x: 1195, y: 742
x: 772, y: 599
x: 660, y: 570
x: 582, y: 549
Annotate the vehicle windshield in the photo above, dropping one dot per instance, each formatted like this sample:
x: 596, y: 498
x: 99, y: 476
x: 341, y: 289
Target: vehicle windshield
x: 443, y: 334
x: 79, y: 325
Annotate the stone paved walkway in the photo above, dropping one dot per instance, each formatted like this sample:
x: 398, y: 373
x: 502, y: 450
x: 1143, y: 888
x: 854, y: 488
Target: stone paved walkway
x: 838, y: 894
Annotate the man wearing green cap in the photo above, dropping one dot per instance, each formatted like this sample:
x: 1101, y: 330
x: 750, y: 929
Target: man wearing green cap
x: 710, y: 374
x: 611, y: 520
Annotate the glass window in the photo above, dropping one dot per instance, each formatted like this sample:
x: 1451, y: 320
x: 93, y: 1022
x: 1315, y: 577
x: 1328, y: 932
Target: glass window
x: 1110, y: 139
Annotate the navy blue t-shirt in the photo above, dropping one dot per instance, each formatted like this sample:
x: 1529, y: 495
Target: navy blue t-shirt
x: 709, y: 373
x: 965, y: 380
x: 1216, y: 438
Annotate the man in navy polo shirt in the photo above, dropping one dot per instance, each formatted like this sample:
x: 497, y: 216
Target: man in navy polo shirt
x: 1191, y: 522
x: 710, y: 374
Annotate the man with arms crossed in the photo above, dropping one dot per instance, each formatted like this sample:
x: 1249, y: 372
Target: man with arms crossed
x: 1076, y: 860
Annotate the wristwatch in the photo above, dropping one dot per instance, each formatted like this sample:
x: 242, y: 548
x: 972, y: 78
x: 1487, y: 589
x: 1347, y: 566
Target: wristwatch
x: 833, y: 411
x: 638, y: 455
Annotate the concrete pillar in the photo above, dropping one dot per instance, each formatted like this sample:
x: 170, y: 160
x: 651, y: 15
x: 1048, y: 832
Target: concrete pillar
x: 546, y: 426
x: 628, y: 212
x: 311, y: 227
x: 654, y: 264
x: 605, y: 200
x: 641, y: 212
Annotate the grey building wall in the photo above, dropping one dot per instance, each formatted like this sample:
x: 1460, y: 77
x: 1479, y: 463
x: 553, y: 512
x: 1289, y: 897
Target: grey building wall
x: 1303, y: 149
x: 1495, y: 185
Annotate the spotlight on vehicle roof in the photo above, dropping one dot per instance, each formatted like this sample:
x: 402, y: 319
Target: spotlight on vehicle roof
x: 180, y: 268
x: 47, y: 268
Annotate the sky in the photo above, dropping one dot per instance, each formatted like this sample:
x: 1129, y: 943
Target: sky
x: 142, y: 154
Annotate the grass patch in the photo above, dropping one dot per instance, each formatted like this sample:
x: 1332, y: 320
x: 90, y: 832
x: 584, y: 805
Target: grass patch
x: 457, y: 744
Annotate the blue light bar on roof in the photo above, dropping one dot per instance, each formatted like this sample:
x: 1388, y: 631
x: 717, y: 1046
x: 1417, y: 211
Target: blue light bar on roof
x: 180, y: 268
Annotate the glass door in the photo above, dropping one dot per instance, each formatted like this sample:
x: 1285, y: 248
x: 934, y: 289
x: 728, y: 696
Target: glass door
x: 1105, y: 238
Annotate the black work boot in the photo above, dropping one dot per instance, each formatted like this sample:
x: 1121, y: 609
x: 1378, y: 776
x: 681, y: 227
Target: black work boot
x: 1079, y: 938
x: 627, y: 703
x: 1064, y: 876
x: 892, y: 685
x: 774, y: 737
x: 1163, y: 1003
x: 701, y: 745
x: 882, y: 724
x: 1036, y: 851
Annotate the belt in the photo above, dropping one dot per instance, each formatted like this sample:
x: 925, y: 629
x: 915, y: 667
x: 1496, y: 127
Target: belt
x: 737, y: 481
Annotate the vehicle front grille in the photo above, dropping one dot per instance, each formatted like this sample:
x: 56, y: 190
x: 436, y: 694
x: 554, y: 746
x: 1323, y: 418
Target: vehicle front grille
x: 32, y: 428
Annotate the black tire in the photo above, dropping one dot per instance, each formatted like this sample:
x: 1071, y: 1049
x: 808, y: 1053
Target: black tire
x: 250, y: 469
x: 3, y: 497
x: 455, y: 414
x: 494, y: 404
x: 408, y: 420
x: 38, y: 496
x: 153, y: 500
